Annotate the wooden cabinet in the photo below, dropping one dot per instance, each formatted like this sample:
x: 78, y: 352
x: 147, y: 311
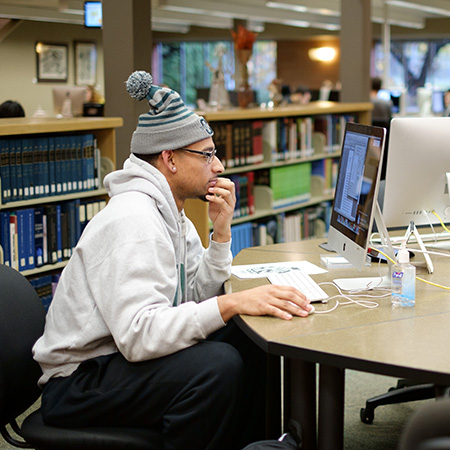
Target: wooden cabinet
x: 324, y: 145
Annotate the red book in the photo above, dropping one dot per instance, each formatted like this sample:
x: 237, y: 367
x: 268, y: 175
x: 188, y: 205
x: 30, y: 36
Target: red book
x: 257, y: 142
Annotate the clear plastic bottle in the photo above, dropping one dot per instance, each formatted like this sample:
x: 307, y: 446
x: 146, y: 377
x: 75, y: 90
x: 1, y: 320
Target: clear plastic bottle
x: 403, y: 280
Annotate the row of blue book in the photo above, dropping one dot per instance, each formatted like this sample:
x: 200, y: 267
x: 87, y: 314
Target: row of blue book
x: 48, y: 234
x: 45, y: 286
x: 43, y: 166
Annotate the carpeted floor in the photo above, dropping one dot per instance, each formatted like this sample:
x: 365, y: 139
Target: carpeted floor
x: 389, y: 420
x: 384, y: 432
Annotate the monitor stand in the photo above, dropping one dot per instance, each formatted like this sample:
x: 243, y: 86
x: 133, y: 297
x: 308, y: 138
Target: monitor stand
x: 412, y: 229
x: 368, y: 283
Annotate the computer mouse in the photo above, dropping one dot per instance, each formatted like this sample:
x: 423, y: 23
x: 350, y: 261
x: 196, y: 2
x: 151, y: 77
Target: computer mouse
x: 311, y: 311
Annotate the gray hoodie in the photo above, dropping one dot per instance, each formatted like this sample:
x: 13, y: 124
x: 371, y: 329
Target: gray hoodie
x: 139, y: 281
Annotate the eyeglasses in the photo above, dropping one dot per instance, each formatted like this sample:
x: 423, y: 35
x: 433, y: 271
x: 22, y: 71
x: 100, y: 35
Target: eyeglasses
x: 208, y: 155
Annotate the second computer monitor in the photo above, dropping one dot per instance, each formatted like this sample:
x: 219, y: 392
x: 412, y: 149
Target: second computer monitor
x: 355, y: 199
x: 77, y: 96
x: 417, y: 173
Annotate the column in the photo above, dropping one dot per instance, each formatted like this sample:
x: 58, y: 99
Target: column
x: 127, y: 46
x: 356, y: 45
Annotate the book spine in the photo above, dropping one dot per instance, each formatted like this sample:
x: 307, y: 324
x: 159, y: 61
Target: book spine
x: 79, y: 161
x: 37, y: 168
x: 52, y: 246
x: 5, y: 171
x: 13, y: 169
x: 59, y: 245
x: 59, y: 170
x: 39, y: 236
x: 72, y: 143
x: 22, y: 239
x: 14, y: 244
x: 97, y: 165
x: 51, y: 165
x: 66, y: 181
x: 5, y: 239
x: 65, y: 237
x: 30, y: 237
x: 91, y: 162
x: 45, y: 166
x: 257, y: 142
x: 27, y: 168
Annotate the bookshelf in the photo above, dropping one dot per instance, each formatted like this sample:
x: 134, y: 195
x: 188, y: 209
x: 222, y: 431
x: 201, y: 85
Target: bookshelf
x: 313, y: 146
x: 86, y: 191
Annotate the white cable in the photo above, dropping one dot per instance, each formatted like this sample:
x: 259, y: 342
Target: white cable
x: 431, y: 225
x: 364, y: 303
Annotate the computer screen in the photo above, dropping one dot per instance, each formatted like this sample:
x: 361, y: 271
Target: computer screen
x: 416, y: 175
x: 357, y: 186
x: 437, y: 102
x: 93, y: 14
x: 77, y: 96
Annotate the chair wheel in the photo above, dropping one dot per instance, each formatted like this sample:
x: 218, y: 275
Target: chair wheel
x: 366, y: 416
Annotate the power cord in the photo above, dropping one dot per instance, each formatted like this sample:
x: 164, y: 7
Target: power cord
x: 351, y: 300
x: 418, y: 278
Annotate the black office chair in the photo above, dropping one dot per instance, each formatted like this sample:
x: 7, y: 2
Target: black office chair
x: 22, y: 318
x: 405, y: 391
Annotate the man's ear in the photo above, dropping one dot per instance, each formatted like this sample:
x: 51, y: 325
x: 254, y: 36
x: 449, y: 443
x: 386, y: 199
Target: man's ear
x: 168, y: 160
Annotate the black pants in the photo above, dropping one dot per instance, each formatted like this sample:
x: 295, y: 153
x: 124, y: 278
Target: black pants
x: 208, y: 396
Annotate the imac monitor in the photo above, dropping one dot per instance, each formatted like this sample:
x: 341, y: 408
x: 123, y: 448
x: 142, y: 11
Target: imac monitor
x: 77, y: 97
x: 93, y: 14
x: 437, y: 102
x: 355, y: 200
x: 418, y: 166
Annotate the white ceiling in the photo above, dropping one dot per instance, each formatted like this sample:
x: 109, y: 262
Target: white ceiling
x: 180, y: 15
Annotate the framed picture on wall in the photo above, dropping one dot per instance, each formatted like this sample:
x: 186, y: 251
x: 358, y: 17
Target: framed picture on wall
x: 51, y: 62
x: 85, y: 63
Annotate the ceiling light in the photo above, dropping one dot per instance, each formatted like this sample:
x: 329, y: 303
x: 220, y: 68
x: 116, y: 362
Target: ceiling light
x: 166, y: 27
x: 304, y: 9
x: 324, y: 54
x: 423, y: 8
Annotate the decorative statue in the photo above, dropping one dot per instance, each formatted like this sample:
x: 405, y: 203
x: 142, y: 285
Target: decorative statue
x: 218, y: 95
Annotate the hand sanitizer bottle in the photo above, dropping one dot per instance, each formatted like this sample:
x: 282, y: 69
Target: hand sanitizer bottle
x: 403, y: 280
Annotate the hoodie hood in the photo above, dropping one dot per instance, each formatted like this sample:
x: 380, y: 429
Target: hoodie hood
x: 139, y: 176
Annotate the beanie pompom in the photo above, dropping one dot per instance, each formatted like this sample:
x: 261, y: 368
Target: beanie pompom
x: 139, y: 84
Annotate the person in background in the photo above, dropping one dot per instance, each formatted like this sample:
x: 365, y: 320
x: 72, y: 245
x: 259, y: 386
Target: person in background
x: 139, y: 333
x: 301, y: 95
x: 285, y: 94
x: 381, y: 117
x: 93, y: 95
x: 447, y: 104
x: 382, y: 109
x: 11, y: 108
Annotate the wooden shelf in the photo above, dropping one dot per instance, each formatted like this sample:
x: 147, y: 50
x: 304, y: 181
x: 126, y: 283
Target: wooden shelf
x: 23, y: 126
x: 104, y: 130
x: 197, y: 210
x: 312, y: 109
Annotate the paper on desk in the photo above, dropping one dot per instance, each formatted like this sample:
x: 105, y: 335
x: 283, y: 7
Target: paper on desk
x: 262, y: 270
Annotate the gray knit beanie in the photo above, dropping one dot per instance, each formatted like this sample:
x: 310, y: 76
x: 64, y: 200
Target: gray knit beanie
x: 169, y: 125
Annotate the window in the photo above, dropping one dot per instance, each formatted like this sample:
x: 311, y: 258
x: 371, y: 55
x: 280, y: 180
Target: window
x: 415, y: 64
x: 188, y: 66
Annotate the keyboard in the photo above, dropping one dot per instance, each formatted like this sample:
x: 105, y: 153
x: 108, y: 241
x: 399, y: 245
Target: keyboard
x: 302, y: 281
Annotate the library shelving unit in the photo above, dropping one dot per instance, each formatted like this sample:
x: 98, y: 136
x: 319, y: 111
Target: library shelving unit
x: 102, y: 128
x: 324, y: 144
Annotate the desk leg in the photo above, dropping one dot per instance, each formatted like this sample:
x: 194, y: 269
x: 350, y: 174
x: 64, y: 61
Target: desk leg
x: 300, y: 399
x: 273, y: 400
x: 331, y: 408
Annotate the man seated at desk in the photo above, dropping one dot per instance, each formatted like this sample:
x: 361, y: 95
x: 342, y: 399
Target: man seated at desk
x: 138, y: 333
